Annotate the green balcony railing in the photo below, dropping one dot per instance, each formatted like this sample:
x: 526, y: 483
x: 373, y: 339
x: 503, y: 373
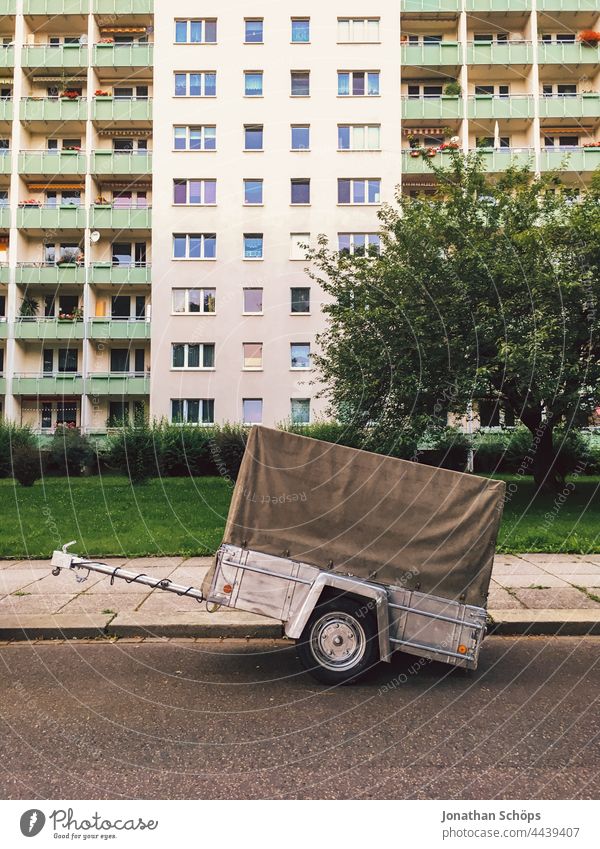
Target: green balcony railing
x: 106, y: 272
x: 5, y: 216
x: 27, y: 273
x: 123, y: 7
x: 430, y: 5
x: 578, y: 159
x: 3, y: 328
x: 48, y: 328
x: 511, y: 53
x: 577, y: 106
x: 7, y: 56
x: 56, y: 7
x: 567, y: 6
x: 117, y: 328
x: 567, y: 54
x: 132, y: 109
x: 117, y: 384
x: 6, y: 109
x: 122, y: 55
x: 48, y: 384
x: 488, y: 106
x: 121, y: 162
x: 54, y: 56
x: 496, y: 160
x: 431, y: 55
x: 120, y: 218
x: 51, y: 217
x: 417, y: 164
x: 5, y: 162
x: 8, y: 7
x: 53, y: 109
x: 54, y: 162
x: 432, y: 108
x: 2, y: 386
x: 4, y: 272
x: 498, y: 5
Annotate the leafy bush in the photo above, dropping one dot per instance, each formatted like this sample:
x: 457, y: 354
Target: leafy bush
x: 227, y: 446
x: 136, y: 451
x: 450, y: 448
x: 27, y: 464
x: 186, y: 450
x: 13, y: 436
x: 328, y: 431
x: 70, y: 451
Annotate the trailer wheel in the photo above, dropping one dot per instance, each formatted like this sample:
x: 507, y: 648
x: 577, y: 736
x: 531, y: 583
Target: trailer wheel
x: 339, y: 642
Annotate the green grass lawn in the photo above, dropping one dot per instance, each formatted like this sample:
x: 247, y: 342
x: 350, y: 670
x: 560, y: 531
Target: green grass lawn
x: 108, y: 516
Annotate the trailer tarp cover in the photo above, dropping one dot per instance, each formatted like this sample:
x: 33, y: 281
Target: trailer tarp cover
x: 375, y: 517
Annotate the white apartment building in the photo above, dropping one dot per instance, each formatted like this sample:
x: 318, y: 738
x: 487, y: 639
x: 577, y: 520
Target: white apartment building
x: 162, y: 166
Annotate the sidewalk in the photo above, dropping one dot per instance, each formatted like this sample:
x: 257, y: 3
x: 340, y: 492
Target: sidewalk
x: 529, y: 594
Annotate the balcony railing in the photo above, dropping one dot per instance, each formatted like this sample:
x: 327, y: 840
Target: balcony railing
x: 492, y: 106
x: 53, y: 109
x: 6, y: 109
x: 494, y: 160
x: 56, y: 383
x: 123, y: 7
x: 498, y: 5
x: 430, y: 5
x: 106, y: 272
x: 567, y: 6
x: 52, y: 162
x: 48, y: 329
x: 4, y: 272
x: 118, y: 383
x: 5, y: 216
x: 118, y: 328
x: 56, y: 7
x: 8, y: 7
x: 432, y: 107
x: 578, y: 159
x: 121, y: 162
x: 508, y: 53
x: 431, y: 55
x: 7, y: 56
x: 54, y: 56
x: 120, y: 217
x: 570, y: 106
x: 5, y: 162
x: 66, y: 217
x: 3, y: 328
x: 557, y: 53
x: 48, y: 274
x: 123, y: 55
x: 122, y: 109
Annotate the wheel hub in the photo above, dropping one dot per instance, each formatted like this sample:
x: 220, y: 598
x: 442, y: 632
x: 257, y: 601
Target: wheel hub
x: 338, y: 641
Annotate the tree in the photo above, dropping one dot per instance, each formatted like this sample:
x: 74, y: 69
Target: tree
x: 488, y: 289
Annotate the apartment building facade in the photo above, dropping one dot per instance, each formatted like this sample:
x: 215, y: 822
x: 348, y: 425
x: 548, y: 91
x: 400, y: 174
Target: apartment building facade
x: 163, y: 166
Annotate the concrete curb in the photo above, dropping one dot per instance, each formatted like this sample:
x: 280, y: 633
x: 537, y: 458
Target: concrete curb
x: 547, y: 623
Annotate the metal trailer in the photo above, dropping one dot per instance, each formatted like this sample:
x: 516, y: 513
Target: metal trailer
x: 343, y: 625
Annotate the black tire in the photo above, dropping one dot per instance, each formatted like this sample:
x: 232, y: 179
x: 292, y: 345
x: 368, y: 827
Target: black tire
x: 358, y: 647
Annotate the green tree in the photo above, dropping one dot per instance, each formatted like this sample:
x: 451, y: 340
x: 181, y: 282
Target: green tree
x: 489, y: 289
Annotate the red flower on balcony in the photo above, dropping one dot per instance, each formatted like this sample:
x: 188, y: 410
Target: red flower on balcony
x: 589, y: 38
x: 101, y: 93
x: 106, y: 41
x: 30, y: 202
x: 71, y: 94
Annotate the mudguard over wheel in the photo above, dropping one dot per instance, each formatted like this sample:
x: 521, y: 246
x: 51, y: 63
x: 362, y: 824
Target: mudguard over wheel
x: 340, y: 641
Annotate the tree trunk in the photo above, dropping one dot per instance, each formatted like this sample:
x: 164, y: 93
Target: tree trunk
x: 543, y: 457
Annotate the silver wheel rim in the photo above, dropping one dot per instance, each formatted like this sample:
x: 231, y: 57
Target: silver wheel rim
x: 338, y: 641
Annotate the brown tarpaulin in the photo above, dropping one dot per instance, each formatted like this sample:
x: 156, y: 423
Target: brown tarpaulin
x: 393, y: 521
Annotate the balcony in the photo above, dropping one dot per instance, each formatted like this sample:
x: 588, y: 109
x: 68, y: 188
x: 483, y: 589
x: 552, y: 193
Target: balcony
x: 7, y: 56
x: 117, y: 383
x: 5, y: 162
x: 2, y: 385
x: 47, y: 56
x: 118, y: 328
x: 431, y: 6
x: 56, y: 7
x: 121, y: 162
x: 576, y: 106
x: 123, y: 7
x: 499, y: 5
x: 511, y: 53
x: 4, y: 272
x: 499, y: 159
x: 59, y: 383
x: 120, y: 218
x: 130, y: 110
x: 567, y: 6
x: 488, y: 106
x: 432, y: 108
x: 67, y: 217
x: 4, y: 217
x: 8, y: 7
x: 45, y: 329
x: 6, y: 109
x: 418, y: 165
x: 31, y: 273
x: 3, y: 328
x: 578, y: 159
x: 122, y: 55
x: 51, y: 163
x: 567, y: 54
x: 446, y: 53
x: 106, y: 272
x: 59, y: 109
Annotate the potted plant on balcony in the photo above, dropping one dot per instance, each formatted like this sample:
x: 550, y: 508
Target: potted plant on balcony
x: 449, y: 145
x: 589, y: 38
x: 101, y: 94
x: 30, y: 202
x: 592, y: 144
x: 70, y: 94
x: 452, y: 89
x: 71, y: 149
x: 106, y: 42
x: 102, y: 202
x: 28, y: 308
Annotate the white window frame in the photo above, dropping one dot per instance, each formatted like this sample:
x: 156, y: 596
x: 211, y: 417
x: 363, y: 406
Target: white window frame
x: 301, y: 368
x: 252, y: 368
x: 365, y: 181
x: 352, y: 238
x: 365, y: 74
x: 252, y: 289
x: 353, y: 24
x: 188, y: 74
x: 187, y: 257
x: 262, y: 410
x: 295, y: 401
x: 186, y: 290
x: 202, y: 402
x: 366, y: 129
x: 202, y: 181
x: 188, y: 22
x: 186, y: 347
x: 188, y: 128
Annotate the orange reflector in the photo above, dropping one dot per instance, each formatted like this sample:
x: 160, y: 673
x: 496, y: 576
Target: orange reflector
x: 227, y: 589
x: 462, y: 649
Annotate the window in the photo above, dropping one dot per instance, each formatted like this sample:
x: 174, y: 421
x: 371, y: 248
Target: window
x: 252, y: 410
x: 300, y: 83
x: 253, y: 83
x: 418, y: 90
x: 191, y: 192
x: 358, y: 83
x: 66, y: 360
x: 252, y: 355
x: 359, y: 244
x: 195, y: 138
x: 300, y: 136
x: 300, y: 191
x: 193, y: 411
x: 561, y: 141
x: 253, y: 137
x: 358, y: 29
x: 194, y: 246
x: 128, y: 253
x: 253, y: 192
x: 490, y: 141
x: 300, y: 355
x: 489, y: 37
x: 300, y: 30
x: 253, y: 246
x: 253, y: 31
x: 196, y: 84
x: 198, y: 31
x: 300, y: 410
x: 358, y: 137
x: 300, y: 299
x: 359, y: 191
x: 192, y: 356
x: 562, y: 89
x: 297, y: 240
x: 194, y: 300
x: 119, y: 360
x: 253, y: 301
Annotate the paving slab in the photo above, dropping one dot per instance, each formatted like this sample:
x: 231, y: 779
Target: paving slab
x: 542, y: 579
x: 120, y: 586
x: 586, y: 580
x: 563, y: 570
x: 569, y: 599
x: 200, y: 624
x: 143, y: 563
x: 10, y: 581
x: 500, y: 598
x: 546, y: 622
x: 63, y: 583
x: 47, y: 627
x: 32, y: 603
x: 102, y: 602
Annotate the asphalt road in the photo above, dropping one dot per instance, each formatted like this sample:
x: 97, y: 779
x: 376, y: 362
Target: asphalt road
x: 236, y: 719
